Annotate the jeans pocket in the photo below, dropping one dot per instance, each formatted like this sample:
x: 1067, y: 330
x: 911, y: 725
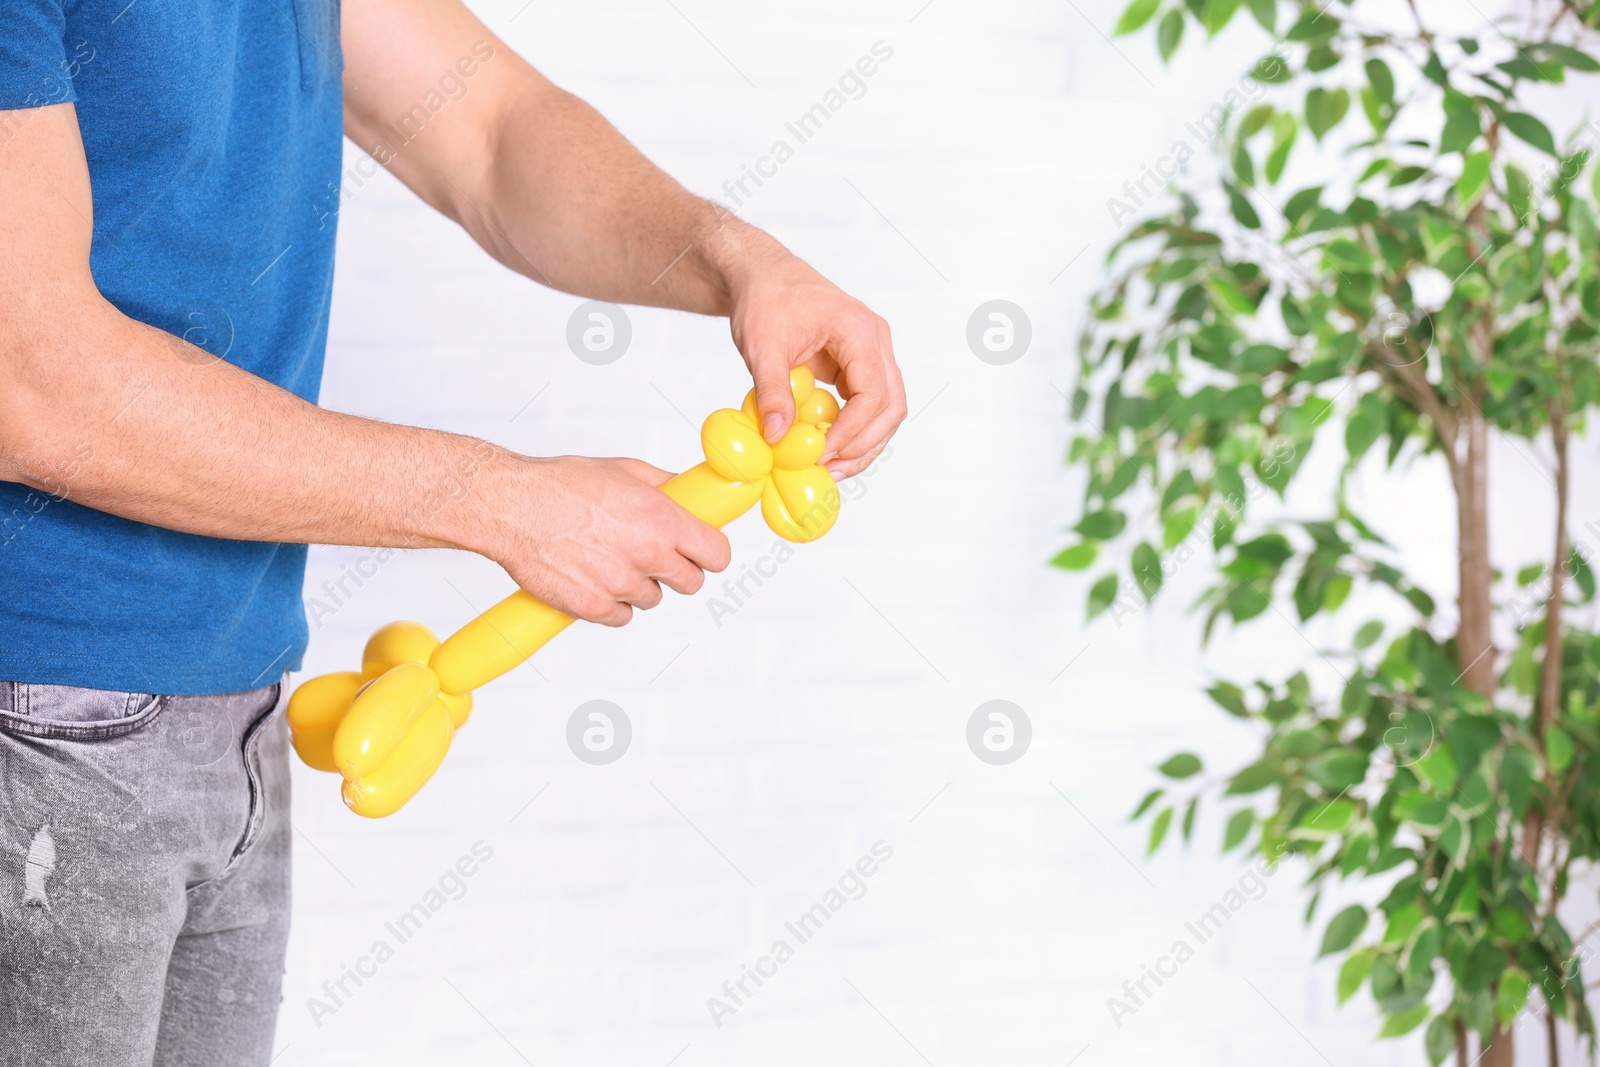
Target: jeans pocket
x: 71, y: 713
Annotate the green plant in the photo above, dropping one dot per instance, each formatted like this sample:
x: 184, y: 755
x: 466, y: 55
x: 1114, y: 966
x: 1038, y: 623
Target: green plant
x: 1435, y: 283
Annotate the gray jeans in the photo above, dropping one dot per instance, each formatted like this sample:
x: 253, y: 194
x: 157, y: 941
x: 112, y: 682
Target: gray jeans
x: 144, y: 877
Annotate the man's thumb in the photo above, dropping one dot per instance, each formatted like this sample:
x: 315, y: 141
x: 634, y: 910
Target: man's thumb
x: 774, y: 401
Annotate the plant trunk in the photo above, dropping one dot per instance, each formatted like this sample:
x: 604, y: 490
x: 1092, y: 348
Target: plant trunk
x: 1475, y: 638
x: 1498, y: 1051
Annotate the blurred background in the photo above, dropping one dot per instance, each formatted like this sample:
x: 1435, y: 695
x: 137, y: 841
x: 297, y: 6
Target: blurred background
x: 765, y: 740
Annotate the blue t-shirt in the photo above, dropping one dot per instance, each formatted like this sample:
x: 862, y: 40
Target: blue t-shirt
x: 213, y: 130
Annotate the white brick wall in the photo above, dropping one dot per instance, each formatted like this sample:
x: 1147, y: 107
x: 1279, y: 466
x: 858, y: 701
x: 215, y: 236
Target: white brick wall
x: 805, y: 728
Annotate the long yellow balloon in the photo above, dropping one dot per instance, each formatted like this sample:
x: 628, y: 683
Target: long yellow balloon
x: 388, y: 727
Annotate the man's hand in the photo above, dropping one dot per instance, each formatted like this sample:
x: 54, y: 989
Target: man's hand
x: 553, y: 191
x: 596, y: 538
x: 785, y: 315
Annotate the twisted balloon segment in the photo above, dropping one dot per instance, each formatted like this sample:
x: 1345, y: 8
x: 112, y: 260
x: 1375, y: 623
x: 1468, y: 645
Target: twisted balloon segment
x: 386, y: 728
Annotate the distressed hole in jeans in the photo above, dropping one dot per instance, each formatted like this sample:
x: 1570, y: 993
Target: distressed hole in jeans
x: 41, y: 862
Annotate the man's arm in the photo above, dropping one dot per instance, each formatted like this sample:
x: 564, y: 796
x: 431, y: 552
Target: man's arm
x: 190, y: 443
x: 554, y: 192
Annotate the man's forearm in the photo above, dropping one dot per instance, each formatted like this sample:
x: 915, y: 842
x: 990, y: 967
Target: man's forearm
x: 165, y: 434
x: 569, y: 202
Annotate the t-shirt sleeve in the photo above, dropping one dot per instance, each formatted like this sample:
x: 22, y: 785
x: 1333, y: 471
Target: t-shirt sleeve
x: 34, y: 70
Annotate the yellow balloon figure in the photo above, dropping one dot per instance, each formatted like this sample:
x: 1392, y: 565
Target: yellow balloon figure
x: 387, y: 727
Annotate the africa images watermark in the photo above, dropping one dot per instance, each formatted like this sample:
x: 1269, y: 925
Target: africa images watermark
x: 1204, y: 130
x: 1532, y: 601
x: 451, y: 885
x: 52, y: 89
x: 851, y: 885
x: 454, y: 487
x: 452, y: 87
x: 1133, y: 595
x: 56, y: 488
x: 851, y: 85
x: 1251, y: 887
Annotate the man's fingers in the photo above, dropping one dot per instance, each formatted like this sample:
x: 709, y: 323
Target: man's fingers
x: 849, y: 468
x: 682, y: 576
x: 869, y: 441
x: 876, y: 403
x: 774, y: 399
x: 704, y: 545
x: 619, y: 615
x: 645, y: 595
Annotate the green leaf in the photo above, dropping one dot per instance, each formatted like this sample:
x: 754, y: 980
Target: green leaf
x: 1238, y: 828
x: 1571, y: 57
x: 1339, y: 769
x: 1245, y: 213
x: 1343, y: 929
x: 1423, y: 810
x: 1353, y: 973
x: 1406, y: 175
x: 1102, y: 525
x: 1273, y: 549
x: 1356, y: 852
x: 1534, y: 70
x: 1255, y: 120
x: 1558, y: 748
x: 1315, y: 25
x: 1189, y: 812
x: 1531, y: 130
x: 1076, y: 557
x: 1474, y: 175
x: 1135, y: 15
x: 1144, y: 805
x: 1583, y: 575
x: 1301, y: 203
x: 1485, y: 962
x: 1287, y: 128
x: 1246, y: 600
x: 1332, y: 818
x: 1345, y: 254
x: 1266, y: 13
x: 1368, y: 634
x: 1253, y: 779
x: 1381, y: 78
x: 1510, y: 924
x: 1468, y: 901
x: 1102, y: 594
x: 1147, y: 569
x: 1229, y: 698
x: 1461, y: 123
x: 1244, y: 167
x: 1183, y: 765
x: 1434, y: 70
x: 1324, y: 109
x: 1422, y: 951
x: 1512, y: 994
x: 1438, y: 768
x: 1367, y: 423
x: 1177, y: 524
x: 1440, y: 1040
x: 1170, y: 33
x: 1158, y: 829
x: 1405, y: 1021
x: 1216, y: 14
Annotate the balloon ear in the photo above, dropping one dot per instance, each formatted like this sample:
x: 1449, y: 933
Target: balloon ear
x: 802, y: 383
x: 819, y: 409
x: 315, y: 711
